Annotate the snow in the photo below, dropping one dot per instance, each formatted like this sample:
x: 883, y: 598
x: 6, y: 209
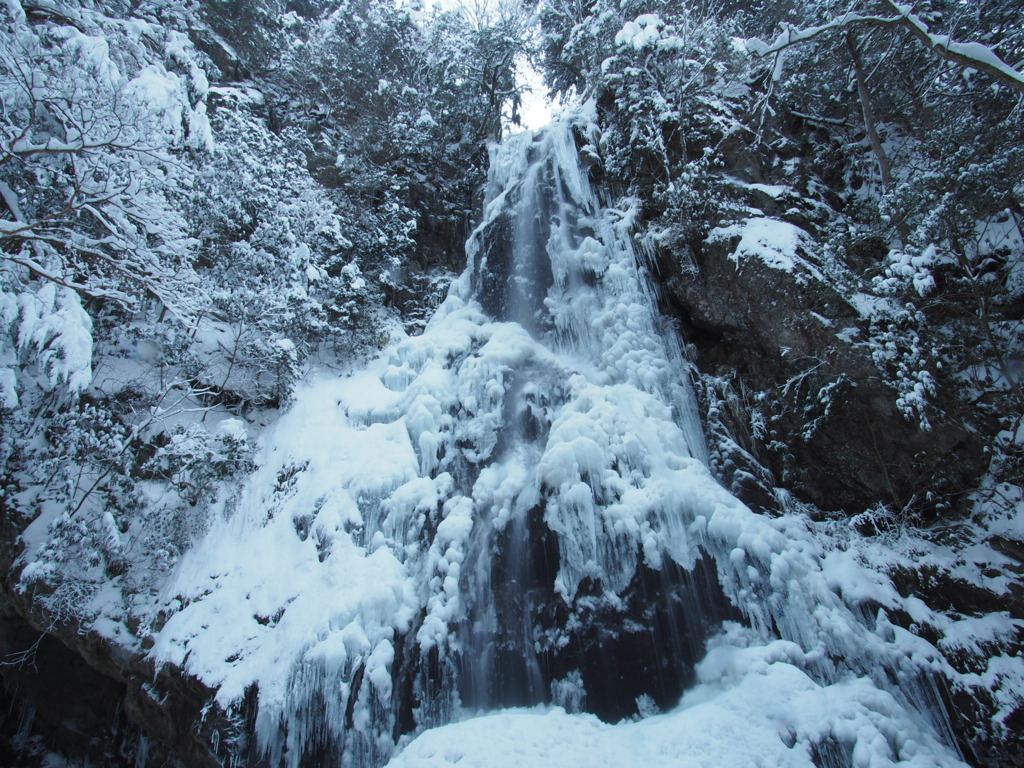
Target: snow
x: 351, y: 271
x: 54, y: 322
x: 774, y: 191
x: 913, y: 268
x: 8, y: 388
x: 641, y: 32
x: 16, y: 12
x: 426, y: 120
x: 869, y: 306
x: 973, y: 632
x: 973, y: 51
x: 163, y: 93
x: 539, y: 739
x: 253, y: 564
x: 241, y: 94
x: 377, y: 504
x: 234, y: 429
x: 979, y: 53
x: 773, y: 242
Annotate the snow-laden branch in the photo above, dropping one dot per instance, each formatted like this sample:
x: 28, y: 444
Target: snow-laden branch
x: 792, y: 36
x: 104, y: 139
x: 973, y: 55
x: 37, y: 269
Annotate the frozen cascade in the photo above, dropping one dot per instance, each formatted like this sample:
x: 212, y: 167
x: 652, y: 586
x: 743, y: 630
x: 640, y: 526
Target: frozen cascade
x: 512, y: 509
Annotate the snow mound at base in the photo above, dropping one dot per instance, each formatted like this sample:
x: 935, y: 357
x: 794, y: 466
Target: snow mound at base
x: 753, y: 707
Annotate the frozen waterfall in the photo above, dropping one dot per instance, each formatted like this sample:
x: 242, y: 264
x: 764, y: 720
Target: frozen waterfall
x: 513, y: 509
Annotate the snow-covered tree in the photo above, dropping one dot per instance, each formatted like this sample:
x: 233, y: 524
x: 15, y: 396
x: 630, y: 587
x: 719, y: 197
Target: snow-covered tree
x: 90, y: 155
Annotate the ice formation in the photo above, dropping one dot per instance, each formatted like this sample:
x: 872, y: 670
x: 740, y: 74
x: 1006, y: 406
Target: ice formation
x: 513, y: 510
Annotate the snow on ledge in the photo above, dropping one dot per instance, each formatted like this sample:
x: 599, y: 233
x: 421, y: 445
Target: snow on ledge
x: 774, y: 242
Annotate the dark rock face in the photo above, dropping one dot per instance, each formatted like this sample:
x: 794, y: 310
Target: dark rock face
x: 81, y: 695
x: 653, y: 646
x: 72, y: 691
x: 796, y: 408
x: 512, y: 273
x: 55, y: 693
x: 607, y: 658
x: 988, y: 735
x: 832, y: 432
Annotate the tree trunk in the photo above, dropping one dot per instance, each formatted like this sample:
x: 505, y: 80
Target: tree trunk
x: 869, y: 117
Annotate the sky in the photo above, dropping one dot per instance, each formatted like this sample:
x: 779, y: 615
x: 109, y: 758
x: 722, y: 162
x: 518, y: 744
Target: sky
x: 537, y: 109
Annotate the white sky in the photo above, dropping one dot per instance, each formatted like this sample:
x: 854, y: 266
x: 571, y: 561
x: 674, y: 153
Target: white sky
x: 537, y: 110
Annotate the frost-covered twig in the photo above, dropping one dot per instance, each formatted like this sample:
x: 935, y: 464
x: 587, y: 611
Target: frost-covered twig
x: 26, y: 656
x: 799, y: 378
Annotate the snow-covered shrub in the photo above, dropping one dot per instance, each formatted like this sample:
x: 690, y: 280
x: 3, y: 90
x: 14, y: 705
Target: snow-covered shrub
x: 45, y: 337
x: 906, y: 268
x: 281, y: 253
x: 898, y: 349
x: 672, y: 81
x: 88, y: 463
x: 194, y: 460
